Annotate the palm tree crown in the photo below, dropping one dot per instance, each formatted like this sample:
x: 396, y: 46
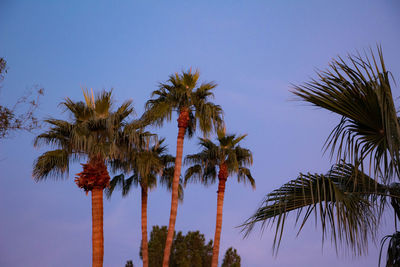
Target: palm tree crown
x: 182, y: 94
x: 94, y: 132
x: 227, y: 155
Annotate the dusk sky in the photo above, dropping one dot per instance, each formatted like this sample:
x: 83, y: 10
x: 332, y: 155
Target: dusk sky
x: 253, y: 50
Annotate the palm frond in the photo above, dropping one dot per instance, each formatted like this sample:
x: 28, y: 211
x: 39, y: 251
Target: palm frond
x: 393, y: 250
x: 360, y: 92
x: 116, y: 183
x: 166, y: 180
x: 344, y: 201
x: 194, y: 174
x: 244, y: 175
x: 53, y: 164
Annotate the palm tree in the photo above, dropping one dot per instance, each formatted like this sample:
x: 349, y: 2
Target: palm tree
x: 230, y: 159
x: 182, y: 94
x: 368, y: 133
x: 145, y: 164
x: 94, y: 134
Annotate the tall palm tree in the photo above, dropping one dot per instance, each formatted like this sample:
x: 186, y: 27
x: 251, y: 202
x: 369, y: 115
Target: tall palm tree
x: 368, y: 133
x: 145, y: 164
x: 230, y: 159
x: 182, y: 94
x: 94, y: 134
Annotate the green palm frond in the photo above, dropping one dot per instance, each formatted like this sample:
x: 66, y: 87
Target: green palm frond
x: 244, y: 176
x: 158, y: 111
x: 166, y: 180
x: 360, y: 92
x: 79, y: 111
x: 53, y: 164
x: 124, y: 185
x: 344, y: 201
x: 116, y: 183
x: 58, y: 136
x: 393, y: 250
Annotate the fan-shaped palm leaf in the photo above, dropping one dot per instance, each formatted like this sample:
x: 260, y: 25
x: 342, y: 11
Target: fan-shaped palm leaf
x: 393, y: 250
x: 360, y: 92
x: 345, y: 201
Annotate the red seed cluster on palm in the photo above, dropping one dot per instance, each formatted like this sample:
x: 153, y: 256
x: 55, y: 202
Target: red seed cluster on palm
x: 94, y: 175
x: 183, y: 119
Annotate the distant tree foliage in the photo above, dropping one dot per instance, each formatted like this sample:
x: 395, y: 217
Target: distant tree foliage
x: 3, y: 68
x: 191, y: 250
x: 231, y: 259
x: 129, y: 264
x: 12, y: 118
x: 188, y: 250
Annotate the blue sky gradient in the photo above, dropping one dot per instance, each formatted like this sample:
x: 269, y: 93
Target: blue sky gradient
x: 254, y: 51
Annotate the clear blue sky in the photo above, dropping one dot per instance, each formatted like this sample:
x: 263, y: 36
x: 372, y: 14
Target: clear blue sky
x: 254, y: 50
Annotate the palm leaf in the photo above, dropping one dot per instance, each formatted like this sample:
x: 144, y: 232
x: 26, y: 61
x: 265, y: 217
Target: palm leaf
x: 53, y: 164
x: 344, y: 201
x: 360, y: 92
x: 393, y: 250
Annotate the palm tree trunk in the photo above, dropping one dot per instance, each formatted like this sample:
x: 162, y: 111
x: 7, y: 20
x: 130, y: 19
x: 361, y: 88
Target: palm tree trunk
x: 222, y: 176
x: 97, y: 227
x: 145, y: 249
x: 183, y: 121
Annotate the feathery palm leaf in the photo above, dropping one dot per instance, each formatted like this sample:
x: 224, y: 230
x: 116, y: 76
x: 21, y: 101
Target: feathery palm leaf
x: 360, y: 92
x: 345, y: 200
x: 393, y: 250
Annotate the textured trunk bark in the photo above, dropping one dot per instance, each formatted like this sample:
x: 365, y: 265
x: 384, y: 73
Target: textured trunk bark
x: 97, y: 227
x: 145, y: 249
x: 182, y: 125
x: 222, y: 176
